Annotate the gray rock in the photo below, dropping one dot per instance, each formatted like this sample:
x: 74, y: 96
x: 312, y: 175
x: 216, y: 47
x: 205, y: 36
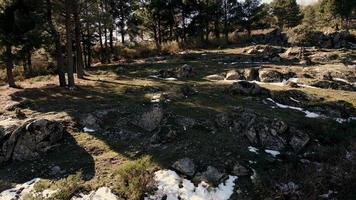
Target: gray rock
x: 240, y: 170
x: 234, y: 75
x: 184, y: 71
x: 299, y: 140
x: 270, y: 76
x: 185, y: 166
x: 150, y: 119
x: 30, y: 139
x: 245, y: 88
x: 211, y: 175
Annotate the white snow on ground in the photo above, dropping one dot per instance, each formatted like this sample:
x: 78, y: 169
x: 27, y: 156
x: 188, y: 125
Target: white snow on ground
x: 309, y: 114
x: 19, y: 191
x: 272, y: 152
x: 165, y: 79
x: 88, y: 130
x: 253, y: 149
x: 175, y: 188
x: 102, y: 193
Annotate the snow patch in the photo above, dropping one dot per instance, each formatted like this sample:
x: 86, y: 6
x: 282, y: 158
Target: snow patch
x: 173, y: 187
x: 307, y: 113
x: 88, y: 130
x: 103, y: 193
x: 253, y: 149
x: 273, y: 152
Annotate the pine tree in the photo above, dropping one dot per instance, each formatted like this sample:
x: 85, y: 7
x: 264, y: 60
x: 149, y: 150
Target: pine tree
x: 287, y: 13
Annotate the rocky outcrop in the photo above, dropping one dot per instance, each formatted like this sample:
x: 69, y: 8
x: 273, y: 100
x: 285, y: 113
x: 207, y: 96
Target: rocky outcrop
x: 273, y: 76
x: 266, y: 52
x: 273, y: 134
x: 184, y: 71
x: 335, y: 85
x: 246, y: 88
x: 150, y: 119
x: 30, y: 139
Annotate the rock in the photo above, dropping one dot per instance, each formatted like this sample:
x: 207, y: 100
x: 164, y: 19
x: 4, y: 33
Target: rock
x: 215, y: 77
x: 246, y: 88
x: 20, y: 191
x: 295, y: 98
x: 188, y: 90
x: 150, y: 119
x: 185, y: 166
x: 19, y: 114
x: 252, y: 74
x: 211, y: 175
x: 270, y: 76
x: 184, y: 71
x: 335, y: 85
x: 233, y: 75
x: 56, y: 170
x: 223, y: 120
x: 299, y: 140
x: 30, y: 139
x: 273, y: 76
x: 90, y: 121
x: 185, y: 122
x: 165, y: 135
x: 13, y: 106
x: 272, y: 134
x: 292, y: 84
x: 240, y: 170
x: 305, y: 61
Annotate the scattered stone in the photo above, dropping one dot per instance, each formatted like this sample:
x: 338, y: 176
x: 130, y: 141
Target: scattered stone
x: 184, y: 71
x: 299, y: 140
x: 185, y: 166
x: 215, y: 77
x: 252, y: 74
x: 188, y: 90
x: 271, y: 76
x: 240, y: 170
x: 335, y: 85
x: 234, y: 75
x: 246, y: 88
x: 211, y: 175
x: 223, y: 120
x: 150, y: 119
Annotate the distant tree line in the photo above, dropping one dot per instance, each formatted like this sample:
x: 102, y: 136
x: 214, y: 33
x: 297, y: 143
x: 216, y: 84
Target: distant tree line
x: 69, y: 30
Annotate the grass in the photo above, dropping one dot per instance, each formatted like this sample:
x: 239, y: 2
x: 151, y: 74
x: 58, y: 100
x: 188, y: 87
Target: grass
x: 98, y: 160
x: 134, y: 178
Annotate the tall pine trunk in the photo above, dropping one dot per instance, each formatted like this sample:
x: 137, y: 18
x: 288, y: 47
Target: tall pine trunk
x: 79, y: 51
x: 9, y: 66
x: 69, y: 45
x: 58, y: 47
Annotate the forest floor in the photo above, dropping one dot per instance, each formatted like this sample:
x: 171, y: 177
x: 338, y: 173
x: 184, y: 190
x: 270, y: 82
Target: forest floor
x: 130, y: 88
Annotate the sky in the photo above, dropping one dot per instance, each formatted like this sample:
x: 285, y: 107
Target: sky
x: 304, y: 2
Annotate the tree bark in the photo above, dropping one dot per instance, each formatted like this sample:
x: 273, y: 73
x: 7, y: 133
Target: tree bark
x: 9, y: 66
x: 58, y: 48
x: 79, y: 51
x: 69, y: 45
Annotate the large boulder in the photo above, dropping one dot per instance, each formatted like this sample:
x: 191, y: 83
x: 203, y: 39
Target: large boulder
x: 150, y: 119
x: 30, y: 139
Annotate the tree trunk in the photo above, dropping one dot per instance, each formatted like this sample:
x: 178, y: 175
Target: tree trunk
x: 58, y: 48
x: 79, y: 51
x: 28, y: 64
x: 111, y: 43
x: 9, y: 66
x: 101, y: 42
x: 69, y: 45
